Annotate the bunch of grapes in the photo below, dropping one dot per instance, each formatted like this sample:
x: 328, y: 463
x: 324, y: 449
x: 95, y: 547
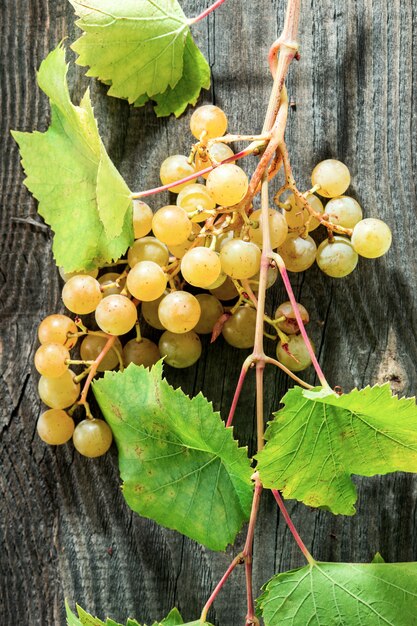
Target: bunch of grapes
x: 194, y: 269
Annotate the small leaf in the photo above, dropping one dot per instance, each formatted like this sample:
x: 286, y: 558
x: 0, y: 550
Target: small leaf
x: 196, y: 77
x: 81, y: 194
x: 342, y: 594
x: 172, y: 619
x: 85, y: 619
x: 179, y: 463
x: 316, y: 443
x: 378, y: 558
x: 138, y: 45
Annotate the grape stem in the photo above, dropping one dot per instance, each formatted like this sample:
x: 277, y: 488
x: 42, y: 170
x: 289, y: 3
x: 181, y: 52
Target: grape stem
x: 210, y: 9
x: 291, y: 526
x: 93, y: 371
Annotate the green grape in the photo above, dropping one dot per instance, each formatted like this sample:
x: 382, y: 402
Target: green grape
x: 81, y: 294
x: 92, y: 345
x: 182, y: 248
x: 92, y: 438
x: 298, y: 216
x: 208, y: 119
x: 240, y: 259
x: 180, y: 350
x: 211, y: 310
x: 146, y: 281
x: 298, y: 349
x: 336, y: 258
x: 218, y: 152
x: 56, y: 328
x: 289, y: 326
x: 222, y: 277
x: 297, y: 253
x: 344, y: 211
x: 196, y: 197
x: 271, y: 277
x: 150, y: 312
x: 171, y: 225
x: 179, y: 311
x: 144, y: 352
x: 116, y: 315
x: 59, y: 393
x: 108, y: 279
x: 148, y: 249
x: 201, y: 267
x: 228, y: 184
x: 67, y: 275
x: 226, y: 291
x: 332, y: 176
x: 175, y: 168
x: 278, y: 228
x: 142, y: 219
x: 239, y: 329
x: 55, y: 427
x: 371, y: 238
x: 50, y: 359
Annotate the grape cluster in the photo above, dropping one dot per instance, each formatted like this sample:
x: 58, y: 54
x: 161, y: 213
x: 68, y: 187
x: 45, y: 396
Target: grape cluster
x: 210, y: 239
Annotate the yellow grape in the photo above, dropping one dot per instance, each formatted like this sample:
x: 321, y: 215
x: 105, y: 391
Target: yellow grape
x: 371, y: 238
x: 108, y: 279
x: 332, y: 176
x: 55, y: 427
x: 150, y: 312
x: 228, y: 184
x: 336, y: 258
x: 209, y: 119
x: 59, y: 393
x: 299, y: 350
x: 298, y: 216
x: 67, y: 275
x: 116, y: 315
x: 50, y: 359
x: 201, y: 267
x: 56, y: 328
x: 92, y: 438
x: 196, y: 197
x: 142, y: 219
x: 344, y: 211
x: 92, y: 345
x: 146, y: 281
x: 218, y: 152
x: 182, y: 248
x: 81, y: 294
x: 278, y: 228
x: 240, y: 259
x: 179, y: 311
x: 180, y: 350
x: 289, y: 326
x: 297, y: 253
x: 211, y: 310
x: 148, y: 249
x: 144, y: 352
x: 239, y: 329
x: 175, y: 168
x: 171, y: 225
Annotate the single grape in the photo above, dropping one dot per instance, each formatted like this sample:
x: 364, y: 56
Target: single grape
x: 55, y: 427
x: 182, y: 248
x: 50, y: 359
x: 271, y: 277
x: 59, y: 393
x: 174, y: 168
x: 298, y: 349
x: 344, y: 211
x: 81, y: 294
x: 239, y: 329
x: 56, y: 328
x: 67, y: 275
x: 289, y: 326
x: 336, y: 258
x: 196, y: 197
x: 228, y: 184
x: 222, y: 277
x: 201, y: 267
x: 108, y: 279
x: 148, y: 249
x: 297, y: 253
x: 240, y: 259
x: 371, y: 238
x: 92, y: 345
x: 298, y: 216
x: 180, y: 350
x: 142, y: 219
x: 333, y: 177
x: 179, y: 311
x: 116, y: 315
x: 209, y: 119
x: 226, y: 291
x: 92, y: 438
x: 146, y: 281
x: 171, y: 225
x: 150, y: 312
x: 144, y: 352
x: 278, y: 228
x: 211, y: 310
x: 218, y: 152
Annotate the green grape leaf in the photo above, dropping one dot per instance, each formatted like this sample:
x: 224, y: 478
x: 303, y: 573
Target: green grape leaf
x: 80, y: 192
x: 378, y: 558
x: 316, y: 442
x: 196, y: 77
x: 138, y: 45
x: 85, y: 619
x: 179, y: 463
x: 342, y: 594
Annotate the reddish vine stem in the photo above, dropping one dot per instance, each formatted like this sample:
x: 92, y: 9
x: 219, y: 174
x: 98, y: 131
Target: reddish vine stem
x: 245, y: 367
x: 238, y: 560
x: 291, y: 526
x: 251, y: 619
x: 206, y: 12
x: 93, y: 371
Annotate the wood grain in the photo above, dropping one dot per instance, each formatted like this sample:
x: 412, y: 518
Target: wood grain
x: 65, y: 529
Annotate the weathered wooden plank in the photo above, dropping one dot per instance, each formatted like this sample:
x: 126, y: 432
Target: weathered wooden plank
x: 65, y: 529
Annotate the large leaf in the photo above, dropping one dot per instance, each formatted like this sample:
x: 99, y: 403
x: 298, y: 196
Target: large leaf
x: 342, y: 594
x: 85, y: 619
x: 81, y: 194
x: 137, y: 45
x: 179, y: 463
x: 317, y: 441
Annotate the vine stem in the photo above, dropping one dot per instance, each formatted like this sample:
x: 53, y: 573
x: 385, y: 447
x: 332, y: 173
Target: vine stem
x: 210, y: 9
x: 245, y: 367
x: 291, y: 526
x: 107, y: 346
